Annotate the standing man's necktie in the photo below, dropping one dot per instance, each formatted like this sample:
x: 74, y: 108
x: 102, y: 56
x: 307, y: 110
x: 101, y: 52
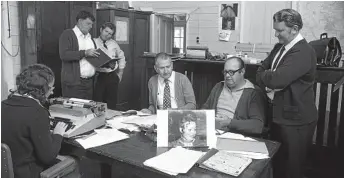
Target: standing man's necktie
x: 105, y: 46
x: 167, y: 96
x: 278, y: 58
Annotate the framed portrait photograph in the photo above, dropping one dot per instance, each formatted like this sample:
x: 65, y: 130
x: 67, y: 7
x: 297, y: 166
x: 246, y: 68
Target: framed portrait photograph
x: 186, y: 128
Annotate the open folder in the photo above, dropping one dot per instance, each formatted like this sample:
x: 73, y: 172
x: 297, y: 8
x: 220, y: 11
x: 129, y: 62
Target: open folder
x: 223, y: 161
x: 102, y: 61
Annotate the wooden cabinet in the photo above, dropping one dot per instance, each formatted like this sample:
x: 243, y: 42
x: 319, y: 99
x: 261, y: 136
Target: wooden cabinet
x: 133, y: 26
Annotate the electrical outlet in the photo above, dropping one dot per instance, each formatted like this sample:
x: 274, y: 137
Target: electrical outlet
x: 197, y: 40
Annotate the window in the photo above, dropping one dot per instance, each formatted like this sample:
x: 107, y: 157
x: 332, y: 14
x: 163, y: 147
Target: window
x: 179, y: 40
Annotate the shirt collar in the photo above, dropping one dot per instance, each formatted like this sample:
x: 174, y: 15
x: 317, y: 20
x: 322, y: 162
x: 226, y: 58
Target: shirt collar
x: 248, y: 84
x: 171, y: 79
x: 293, y: 42
x: 78, y: 33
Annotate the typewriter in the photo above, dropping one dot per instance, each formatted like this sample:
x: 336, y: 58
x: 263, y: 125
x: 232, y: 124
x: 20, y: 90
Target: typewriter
x: 80, y: 115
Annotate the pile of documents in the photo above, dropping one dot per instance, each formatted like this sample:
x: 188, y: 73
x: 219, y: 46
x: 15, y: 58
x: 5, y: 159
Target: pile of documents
x: 225, y: 162
x: 175, y: 161
x: 101, y: 137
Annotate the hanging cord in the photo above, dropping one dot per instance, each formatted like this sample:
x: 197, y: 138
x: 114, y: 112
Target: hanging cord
x: 3, y: 46
x: 8, y: 21
x: 9, y: 34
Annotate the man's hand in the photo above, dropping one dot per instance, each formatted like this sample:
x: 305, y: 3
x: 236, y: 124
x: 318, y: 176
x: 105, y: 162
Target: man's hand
x: 91, y: 53
x: 121, y: 64
x: 146, y: 111
x: 222, y: 122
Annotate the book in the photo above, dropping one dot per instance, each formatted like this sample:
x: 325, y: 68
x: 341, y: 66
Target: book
x: 224, y: 162
x: 102, y: 61
x: 242, y: 146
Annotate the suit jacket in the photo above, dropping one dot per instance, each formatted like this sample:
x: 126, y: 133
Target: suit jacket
x: 25, y: 129
x: 184, y: 93
x: 295, y: 75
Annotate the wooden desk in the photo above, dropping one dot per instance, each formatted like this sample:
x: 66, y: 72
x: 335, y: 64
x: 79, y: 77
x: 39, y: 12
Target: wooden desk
x: 125, y: 159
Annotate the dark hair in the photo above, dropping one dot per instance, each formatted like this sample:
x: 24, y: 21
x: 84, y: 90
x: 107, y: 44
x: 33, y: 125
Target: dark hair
x: 290, y: 17
x: 163, y: 56
x: 109, y: 25
x: 239, y: 60
x: 187, y: 118
x: 34, y: 81
x: 84, y: 15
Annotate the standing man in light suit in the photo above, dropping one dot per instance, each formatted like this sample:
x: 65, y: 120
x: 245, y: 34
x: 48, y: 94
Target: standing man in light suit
x: 288, y: 74
x: 169, y: 89
x: 107, y: 81
x: 74, y: 46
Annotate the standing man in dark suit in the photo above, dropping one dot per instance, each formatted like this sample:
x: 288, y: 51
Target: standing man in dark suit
x: 74, y: 46
x: 288, y: 74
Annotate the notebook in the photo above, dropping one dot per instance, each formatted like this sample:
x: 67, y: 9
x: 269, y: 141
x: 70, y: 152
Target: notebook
x: 223, y: 161
x: 102, y: 61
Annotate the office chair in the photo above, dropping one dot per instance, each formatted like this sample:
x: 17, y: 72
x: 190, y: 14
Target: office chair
x: 64, y: 167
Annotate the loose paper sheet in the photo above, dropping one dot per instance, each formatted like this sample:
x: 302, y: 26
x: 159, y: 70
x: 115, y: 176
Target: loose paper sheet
x: 102, y: 137
x: 177, y: 160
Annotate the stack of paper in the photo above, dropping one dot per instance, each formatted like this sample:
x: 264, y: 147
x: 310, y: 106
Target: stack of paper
x: 175, y: 161
x: 242, y: 146
x: 101, y: 137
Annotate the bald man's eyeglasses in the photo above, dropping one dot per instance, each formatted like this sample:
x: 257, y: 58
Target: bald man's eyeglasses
x: 230, y: 72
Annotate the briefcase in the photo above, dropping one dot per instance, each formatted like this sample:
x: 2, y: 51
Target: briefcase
x: 328, y: 50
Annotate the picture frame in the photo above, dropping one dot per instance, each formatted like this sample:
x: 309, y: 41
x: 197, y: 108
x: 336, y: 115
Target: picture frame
x: 122, y: 30
x: 186, y: 128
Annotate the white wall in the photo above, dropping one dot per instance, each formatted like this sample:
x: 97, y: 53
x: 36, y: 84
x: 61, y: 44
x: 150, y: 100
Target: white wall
x: 10, y: 66
x: 253, y: 25
x: 322, y: 16
x: 203, y: 21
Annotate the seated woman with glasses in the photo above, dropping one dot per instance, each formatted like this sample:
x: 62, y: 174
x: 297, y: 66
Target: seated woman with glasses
x: 240, y: 106
x: 25, y: 123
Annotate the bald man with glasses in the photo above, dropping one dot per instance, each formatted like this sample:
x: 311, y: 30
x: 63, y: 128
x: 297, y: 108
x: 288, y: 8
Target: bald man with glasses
x: 240, y: 106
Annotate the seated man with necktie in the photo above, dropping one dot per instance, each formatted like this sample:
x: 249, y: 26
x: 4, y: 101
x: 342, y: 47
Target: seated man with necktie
x: 240, y: 106
x: 169, y: 89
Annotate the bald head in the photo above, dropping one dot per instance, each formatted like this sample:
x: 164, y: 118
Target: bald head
x: 233, y: 71
x: 236, y: 61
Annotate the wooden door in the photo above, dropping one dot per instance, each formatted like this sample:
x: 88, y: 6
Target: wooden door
x: 124, y: 88
x: 53, y: 18
x: 48, y: 32
x: 141, y: 45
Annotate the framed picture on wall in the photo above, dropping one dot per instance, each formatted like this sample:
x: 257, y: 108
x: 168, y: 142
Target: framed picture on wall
x: 122, y: 30
x: 228, y: 16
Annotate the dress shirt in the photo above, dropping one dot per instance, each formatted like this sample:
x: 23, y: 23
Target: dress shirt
x: 85, y: 42
x: 113, y: 50
x: 298, y: 38
x: 287, y: 47
x: 161, y: 86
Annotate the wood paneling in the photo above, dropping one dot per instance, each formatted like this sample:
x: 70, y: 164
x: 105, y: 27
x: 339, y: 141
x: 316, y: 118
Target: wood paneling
x: 129, y: 88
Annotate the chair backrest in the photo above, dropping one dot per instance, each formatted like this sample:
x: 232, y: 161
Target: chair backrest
x: 6, y: 162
